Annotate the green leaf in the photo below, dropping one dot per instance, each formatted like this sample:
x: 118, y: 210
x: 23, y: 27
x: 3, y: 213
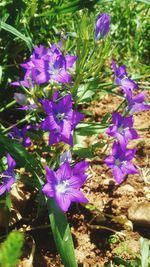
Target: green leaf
x: 144, y: 251
x: 22, y: 158
x: 72, y: 6
x: 62, y: 234
x: 10, y: 250
x: 144, y: 1
x: 15, y: 32
x: 90, y: 128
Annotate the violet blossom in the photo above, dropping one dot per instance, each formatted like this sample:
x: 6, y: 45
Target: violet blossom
x: 120, y: 162
x: 102, y: 25
x: 61, y: 118
x: 64, y: 184
x: 21, y: 135
x: 47, y: 64
x: 7, y: 178
x: 136, y: 103
x: 121, y: 77
x: 122, y: 129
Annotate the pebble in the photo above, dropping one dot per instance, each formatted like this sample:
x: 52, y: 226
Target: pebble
x: 139, y: 213
x: 127, y: 188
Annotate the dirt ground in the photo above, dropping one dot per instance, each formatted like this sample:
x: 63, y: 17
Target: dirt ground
x: 103, y: 229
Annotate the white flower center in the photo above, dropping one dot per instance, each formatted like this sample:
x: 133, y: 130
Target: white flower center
x: 60, y: 116
x: 61, y: 188
x: 117, y: 162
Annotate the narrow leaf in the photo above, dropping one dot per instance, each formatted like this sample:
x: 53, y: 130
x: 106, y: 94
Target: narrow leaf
x: 62, y: 234
x: 15, y: 32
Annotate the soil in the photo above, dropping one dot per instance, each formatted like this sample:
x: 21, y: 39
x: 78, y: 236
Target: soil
x: 101, y: 230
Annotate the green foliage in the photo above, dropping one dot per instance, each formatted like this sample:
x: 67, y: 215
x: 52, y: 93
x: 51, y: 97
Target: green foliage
x: 12, y: 30
x: 22, y: 157
x: 130, y: 32
x: 142, y: 260
x: 62, y: 234
x: 10, y: 249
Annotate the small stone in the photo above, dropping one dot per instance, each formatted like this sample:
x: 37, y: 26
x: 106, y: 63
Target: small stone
x: 127, y: 188
x: 139, y: 213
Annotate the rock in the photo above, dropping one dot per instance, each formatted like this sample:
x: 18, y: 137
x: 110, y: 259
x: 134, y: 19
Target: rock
x: 139, y: 213
x: 127, y: 188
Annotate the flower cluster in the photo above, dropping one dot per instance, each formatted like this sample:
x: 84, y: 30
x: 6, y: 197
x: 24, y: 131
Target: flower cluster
x: 121, y: 127
x: 52, y: 65
x: 46, y: 64
x: 7, y: 178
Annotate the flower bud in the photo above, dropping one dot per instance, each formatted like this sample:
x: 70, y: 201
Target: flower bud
x: 102, y: 25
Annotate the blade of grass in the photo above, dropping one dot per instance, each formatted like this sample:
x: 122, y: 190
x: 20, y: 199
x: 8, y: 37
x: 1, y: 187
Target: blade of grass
x: 62, y: 234
x: 11, y: 29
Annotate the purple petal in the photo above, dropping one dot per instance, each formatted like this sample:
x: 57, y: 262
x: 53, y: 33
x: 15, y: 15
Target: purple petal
x: 62, y: 77
x: 122, y: 141
x: 117, y: 118
x: 48, y: 190
x: 64, y: 172
x: 63, y: 201
x: 27, y: 142
x: 2, y: 189
x: 47, y: 105
x: 112, y: 130
x: 128, y: 83
x: 77, y: 117
x: 110, y: 161
x: 43, y: 77
x: 49, y: 124
x: 118, y: 174
x: 66, y: 130
x: 130, y: 168
x: 131, y: 134
x: 129, y: 154
x: 64, y: 105
x: 80, y: 167
x: 140, y: 97
x: 54, y: 137
x: 50, y: 176
x: 70, y: 60
x: 77, y: 196
x: 76, y: 181
x: 68, y: 140
x: 128, y: 121
x: 11, y: 162
x: 9, y: 183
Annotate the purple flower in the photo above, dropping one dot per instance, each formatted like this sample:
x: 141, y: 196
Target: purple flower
x: 102, y: 25
x: 136, y: 103
x: 64, y: 184
x: 7, y: 178
x: 21, y: 135
x: 47, y: 64
x: 61, y: 119
x: 122, y: 129
x: 120, y: 163
x: 121, y: 77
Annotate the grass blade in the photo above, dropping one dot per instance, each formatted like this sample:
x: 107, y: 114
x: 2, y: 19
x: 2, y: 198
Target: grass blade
x: 62, y: 234
x: 15, y: 32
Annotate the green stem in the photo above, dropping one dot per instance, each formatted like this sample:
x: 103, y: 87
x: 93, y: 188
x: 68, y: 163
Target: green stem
x: 8, y: 105
x: 17, y: 123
